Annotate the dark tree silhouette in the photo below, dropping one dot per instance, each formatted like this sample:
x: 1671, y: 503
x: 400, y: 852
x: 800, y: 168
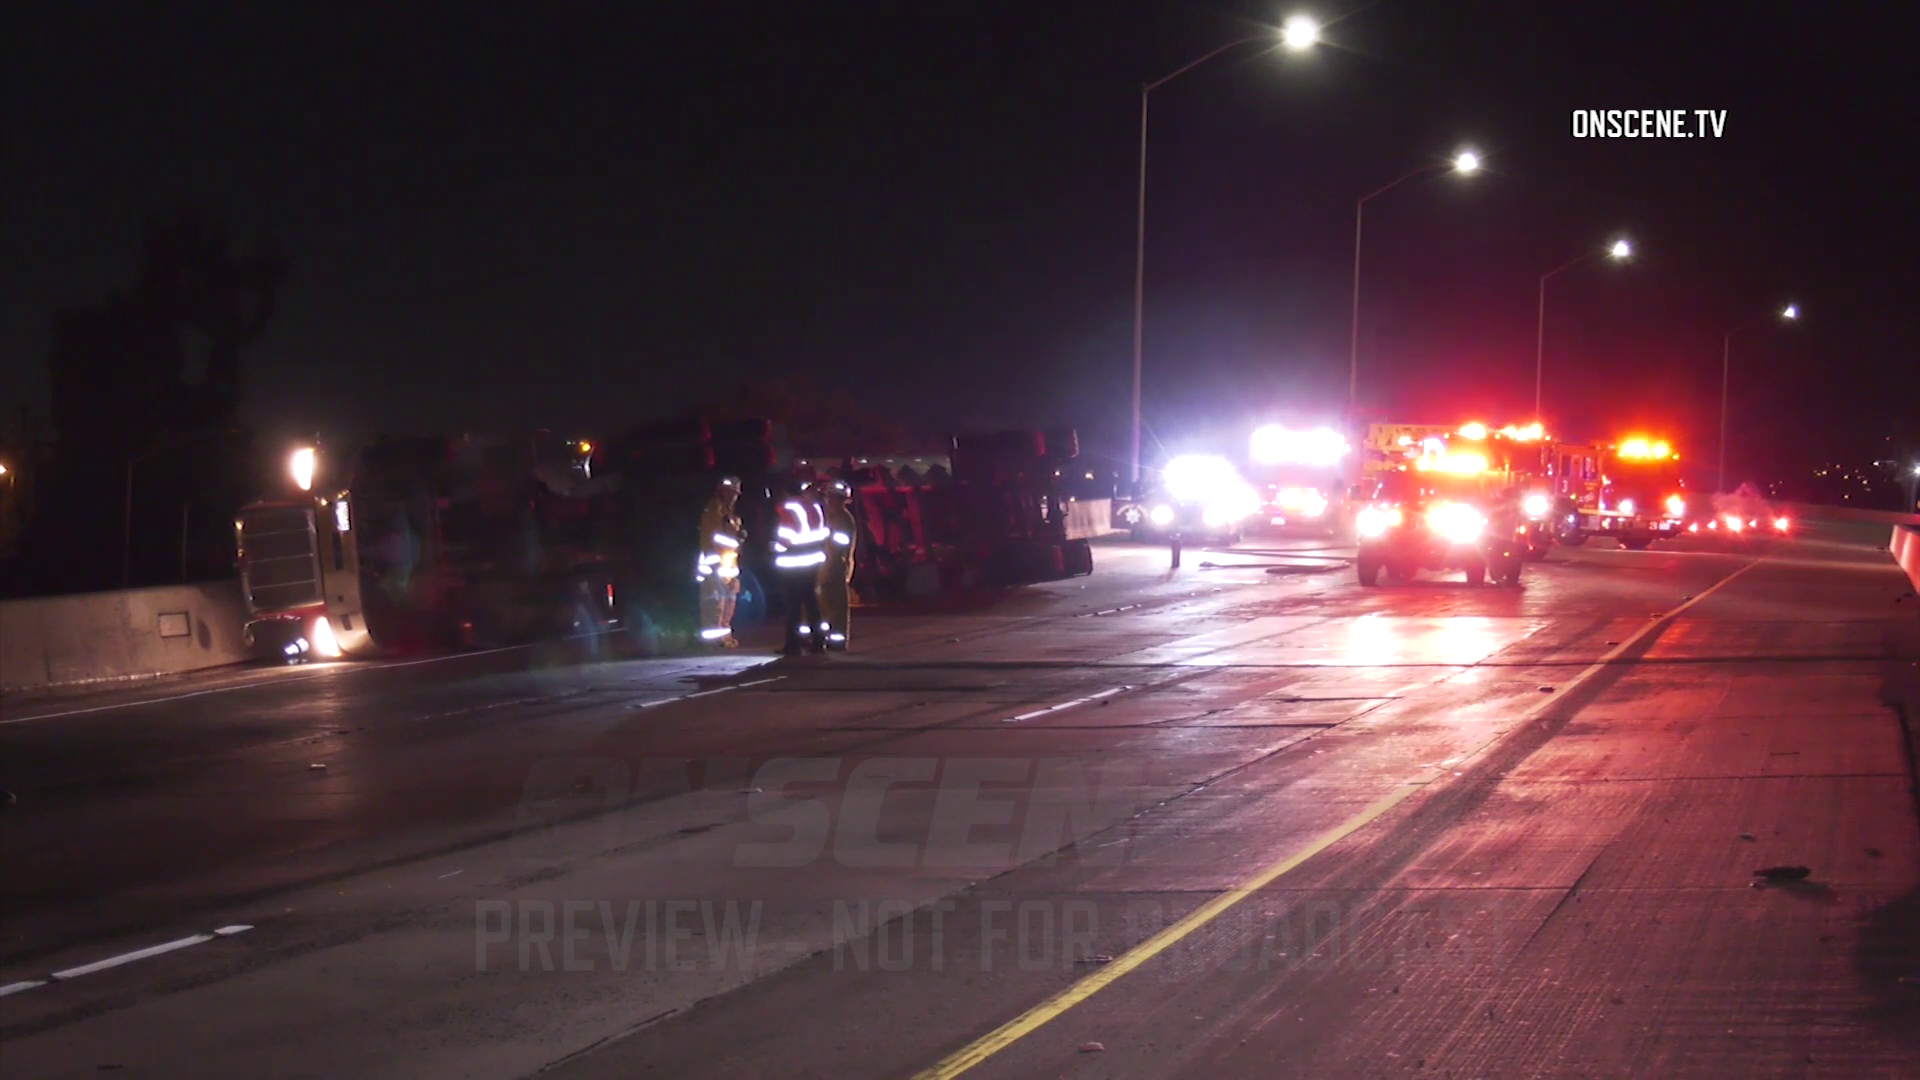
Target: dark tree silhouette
x: 152, y: 373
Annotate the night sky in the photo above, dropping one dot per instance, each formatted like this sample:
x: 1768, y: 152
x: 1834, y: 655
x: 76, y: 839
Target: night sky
x: 572, y: 216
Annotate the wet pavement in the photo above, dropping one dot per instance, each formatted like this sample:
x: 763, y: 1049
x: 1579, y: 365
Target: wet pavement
x: 1243, y: 818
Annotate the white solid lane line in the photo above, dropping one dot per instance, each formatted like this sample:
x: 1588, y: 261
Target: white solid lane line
x: 706, y: 693
x: 128, y: 958
x: 124, y: 958
x: 1075, y: 703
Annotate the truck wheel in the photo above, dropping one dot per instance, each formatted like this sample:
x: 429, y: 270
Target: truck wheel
x: 1574, y: 538
x: 1369, y: 570
x: 1635, y: 545
x: 1510, y: 573
x: 1477, y: 573
x: 1400, y: 573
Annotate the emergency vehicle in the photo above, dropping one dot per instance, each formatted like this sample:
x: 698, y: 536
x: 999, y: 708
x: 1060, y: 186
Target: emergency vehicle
x: 423, y: 543
x: 1200, y: 498
x: 1631, y: 491
x: 1523, y: 459
x: 1444, y: 509
x: 1298, y: 476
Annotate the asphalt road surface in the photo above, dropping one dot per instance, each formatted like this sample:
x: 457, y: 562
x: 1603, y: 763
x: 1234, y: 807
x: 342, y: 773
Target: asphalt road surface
x: 1246, y: 818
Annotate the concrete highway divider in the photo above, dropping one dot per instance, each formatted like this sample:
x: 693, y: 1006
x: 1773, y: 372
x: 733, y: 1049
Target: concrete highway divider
x: 113, y: 636
x: 1089, y: 518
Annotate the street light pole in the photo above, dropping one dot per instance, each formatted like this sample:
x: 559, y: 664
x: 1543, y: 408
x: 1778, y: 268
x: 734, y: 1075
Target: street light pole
x: 1789, y: 313
x: 1726, y: 365
x: 1620, y: 249
x: 1466, y: 163
x: 126, y: 530
x: 1353, y: 348
x: 1540, y: 348
x: 1140, y: 279
x: 1298, y: 34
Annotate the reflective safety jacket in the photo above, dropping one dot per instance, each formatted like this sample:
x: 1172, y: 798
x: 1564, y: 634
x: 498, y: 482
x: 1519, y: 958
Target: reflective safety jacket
x: 800, y: 538
x: 720, y: 535
x: 841, y: 531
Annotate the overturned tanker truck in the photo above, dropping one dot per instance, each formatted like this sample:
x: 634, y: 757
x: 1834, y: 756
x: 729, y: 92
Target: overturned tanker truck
x: 428, y: 543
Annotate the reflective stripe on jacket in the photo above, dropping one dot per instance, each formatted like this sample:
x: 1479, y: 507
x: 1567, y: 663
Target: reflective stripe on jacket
x: 800, y: 538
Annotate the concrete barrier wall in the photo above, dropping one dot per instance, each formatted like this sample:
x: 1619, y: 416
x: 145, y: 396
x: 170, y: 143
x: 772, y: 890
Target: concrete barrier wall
x: 1818, y: 512
x: 130, y: 634
x: 1088, y: 518
x: 1906, y: 551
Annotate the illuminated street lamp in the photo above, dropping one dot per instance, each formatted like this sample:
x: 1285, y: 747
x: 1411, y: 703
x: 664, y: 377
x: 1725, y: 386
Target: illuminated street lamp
x: 1465, y: 163
x: 1790, y: 313
x: 1298, y: 34
x: 300, y: 465
x: 1619, y: 251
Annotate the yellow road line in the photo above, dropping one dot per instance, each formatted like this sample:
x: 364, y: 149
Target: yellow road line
x: 980, y: 1050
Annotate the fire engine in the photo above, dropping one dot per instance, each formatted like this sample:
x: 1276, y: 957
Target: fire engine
x: 1631, y: 490
x: 1446, y: 507
x: 1523, y: 458
x: 423, y: 543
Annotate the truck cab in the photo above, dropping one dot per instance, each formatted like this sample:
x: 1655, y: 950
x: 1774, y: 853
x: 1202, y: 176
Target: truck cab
x: 1443, y: 514
x: 1631, y: 491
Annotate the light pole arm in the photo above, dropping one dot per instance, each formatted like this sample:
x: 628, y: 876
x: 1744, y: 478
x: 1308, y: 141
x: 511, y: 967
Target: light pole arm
x: 1421, y: 171
x: 1570, y: 264
x: 1183, y: 69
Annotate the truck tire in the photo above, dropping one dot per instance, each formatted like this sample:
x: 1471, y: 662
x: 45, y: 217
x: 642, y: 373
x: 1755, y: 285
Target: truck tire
x: 1079, y: 558
x: 1369, y: 569
x: 1510, y: 570
x: 1574, y: 538
x: 1477, y: 573
x: 1635, y: 545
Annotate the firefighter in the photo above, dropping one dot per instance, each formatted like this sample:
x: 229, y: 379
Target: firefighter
x: 799, y: 550
x: 836, y: 574
x: 718, y: 568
